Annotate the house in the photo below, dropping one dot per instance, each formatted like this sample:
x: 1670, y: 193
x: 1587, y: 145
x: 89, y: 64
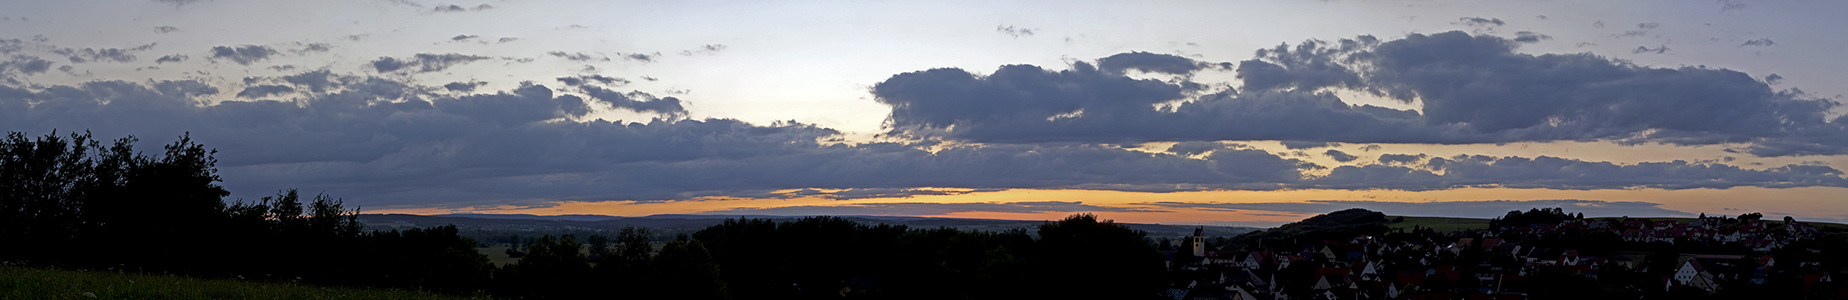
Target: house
x: 1694, y: 274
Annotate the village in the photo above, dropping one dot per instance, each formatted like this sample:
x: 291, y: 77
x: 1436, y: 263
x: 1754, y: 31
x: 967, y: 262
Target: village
x: 1569, y: 257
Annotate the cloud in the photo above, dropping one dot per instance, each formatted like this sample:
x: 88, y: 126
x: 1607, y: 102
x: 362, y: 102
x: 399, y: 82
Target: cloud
x: 635, y: 101
x: 1471, y: 209
x: 463, y: 86
x: 173, y: 58
x: 1148, y: 62
x: 1471, y: 89
x: 1657, y: 50
x: 642, y: 57
x: 1013, y: 31
x: 313, y: 47
x: 120, y: 55
x: 450, y: 8
x: 261, y: 91
x: 243, y: 54
x: 1399, y: 159
x: 586, y: 79
x: 165, y: 29
x: 423, y: 62
x: 398, y: 145
x: 1759, y: 42
x: 1571, y: 174
x: 1293, y: 145
x: 926, y: 209
x: 580, y: 56
x: 1479, y: 22
x: 506, y: 40
x: 1339, y: 156
x: 1530, y: 37
x: 463, y: 37
x: 22, y: 65
x: 707, y: 49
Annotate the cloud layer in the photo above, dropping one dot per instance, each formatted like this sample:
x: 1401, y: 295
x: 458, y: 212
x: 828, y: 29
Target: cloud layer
x: 1469, y: 89
x: 1477, y: 209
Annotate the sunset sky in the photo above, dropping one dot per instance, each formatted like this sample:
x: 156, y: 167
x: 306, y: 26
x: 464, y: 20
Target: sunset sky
x: 1248, y: 113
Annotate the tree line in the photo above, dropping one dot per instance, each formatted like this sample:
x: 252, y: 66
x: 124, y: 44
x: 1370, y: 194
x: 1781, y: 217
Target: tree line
x: 74, y: 201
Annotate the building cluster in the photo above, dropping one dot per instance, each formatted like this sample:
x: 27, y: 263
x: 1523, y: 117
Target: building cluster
x: 1715, y: 257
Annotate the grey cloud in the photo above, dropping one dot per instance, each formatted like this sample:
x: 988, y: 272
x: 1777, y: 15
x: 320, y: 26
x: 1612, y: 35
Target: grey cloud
x: 170, y: 58
x: 261, y: 91
x: 925, y: 208
x: 636, y: 101
x: 165, y: 29
x: 1644, y: 49
x: 1370, y: 148
x: 1148, y: 62
x: 313, y: 47
x: 463, y: 86
x: 120, y: 55
x: 584, y: 79
x: 707, y: 49
x: 1530, y: 37
x: 1396, y: 159
x: 1293, y: 145
x: 1774, y: 79
x: 22, y: 65
x: 1311, y: 65
x: 642, y: 57
x: 391, y: 144
x: 1561, y: 173
x: 423, y: 62
x: 506, y: 40
x: 579, y: 56
x: 1339, y: 156
x: 1759, y: 42
x: 1650, y: 25
x: 1480, y: 22
x: 450, y: 8
x: 1472, y: 209
x: 244, y: 54
x: 463, y: 37
x: 866, y: 193
x: 399, y: 145
x: 178, y: 3
x: 1473, y: 89
x: 1013, y: 31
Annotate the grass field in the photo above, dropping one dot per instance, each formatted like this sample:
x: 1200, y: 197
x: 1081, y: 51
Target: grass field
x: 1441, y: 224
x: 39, y: 283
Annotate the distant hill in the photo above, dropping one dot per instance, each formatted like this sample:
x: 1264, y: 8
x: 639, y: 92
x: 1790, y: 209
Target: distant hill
x: 1335, y: 225
x: 675, y: 224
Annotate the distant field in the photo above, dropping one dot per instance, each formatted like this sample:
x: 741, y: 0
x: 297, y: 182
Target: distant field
x: 497, y: 254
x: 35, y: 283
x: 1441, y: 224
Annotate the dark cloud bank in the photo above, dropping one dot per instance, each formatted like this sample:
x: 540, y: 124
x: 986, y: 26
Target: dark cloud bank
x: 399, y: 144
x: 1480, y: 209
x: 1473, y: 89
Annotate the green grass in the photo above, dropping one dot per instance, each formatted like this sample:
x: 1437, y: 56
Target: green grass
x: 1440, y: 224
x: 40, y: 283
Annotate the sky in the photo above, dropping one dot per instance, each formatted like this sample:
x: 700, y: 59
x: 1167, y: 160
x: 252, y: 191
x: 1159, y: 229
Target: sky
x: 1248, y: 113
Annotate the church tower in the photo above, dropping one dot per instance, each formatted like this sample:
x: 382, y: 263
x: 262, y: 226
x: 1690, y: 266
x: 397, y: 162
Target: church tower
x: 1199, y: 241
